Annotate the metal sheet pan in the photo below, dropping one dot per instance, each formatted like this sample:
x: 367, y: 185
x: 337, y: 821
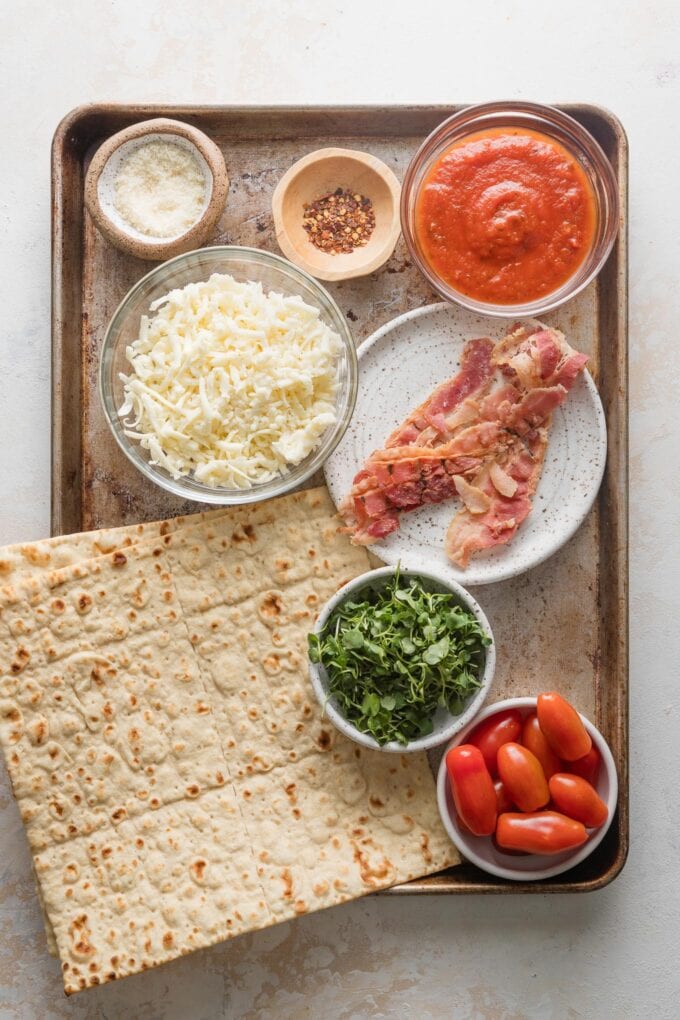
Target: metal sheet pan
x: 564, y: 623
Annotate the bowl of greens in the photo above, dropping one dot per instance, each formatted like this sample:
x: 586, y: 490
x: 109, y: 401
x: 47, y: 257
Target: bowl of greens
x: 401, y: 660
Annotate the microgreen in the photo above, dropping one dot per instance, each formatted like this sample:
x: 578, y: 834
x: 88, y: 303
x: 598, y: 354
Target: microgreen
x: 396, y: 654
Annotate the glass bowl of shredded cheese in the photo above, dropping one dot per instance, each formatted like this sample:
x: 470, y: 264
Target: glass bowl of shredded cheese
x: 228, y: 375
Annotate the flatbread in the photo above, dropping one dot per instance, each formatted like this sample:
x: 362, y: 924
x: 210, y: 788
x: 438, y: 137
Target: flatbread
x: 170, y: 683
x: 153, y: 888
x: 32, y: 559
x: 332, y: 827
x: 112, y: 716
x: 24, y: 560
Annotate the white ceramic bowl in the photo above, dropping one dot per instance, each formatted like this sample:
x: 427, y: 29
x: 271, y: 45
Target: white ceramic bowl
x: 100, y: 188
x: 480, y: 850
x: 445, y: 724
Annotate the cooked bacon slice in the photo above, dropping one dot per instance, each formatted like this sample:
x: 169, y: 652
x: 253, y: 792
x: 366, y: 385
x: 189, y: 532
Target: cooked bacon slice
x: 405, y: 478
x: 429, y: 421
x: 474, y: 440
x: 495, y: 406
x: 533, y: 409
x: 385, y: 467
x: 541, y: 367
x: 538, y: 357
x: 455, y: 445
x: 469, y: 533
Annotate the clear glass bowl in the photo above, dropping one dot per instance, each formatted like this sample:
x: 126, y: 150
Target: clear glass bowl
x: 244, y: 264
x: 556, y: 125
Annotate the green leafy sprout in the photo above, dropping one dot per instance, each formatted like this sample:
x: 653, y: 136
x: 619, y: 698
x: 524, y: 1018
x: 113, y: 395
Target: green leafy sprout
x: 393, y: 655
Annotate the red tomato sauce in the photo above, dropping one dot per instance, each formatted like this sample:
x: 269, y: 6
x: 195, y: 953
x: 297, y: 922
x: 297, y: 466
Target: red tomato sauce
x: 506, y: 216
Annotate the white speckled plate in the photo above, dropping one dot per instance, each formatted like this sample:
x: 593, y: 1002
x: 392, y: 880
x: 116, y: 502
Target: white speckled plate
x: 403, y: 362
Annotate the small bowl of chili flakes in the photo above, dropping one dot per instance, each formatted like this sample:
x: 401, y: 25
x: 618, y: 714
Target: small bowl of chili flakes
x: 336, y: 213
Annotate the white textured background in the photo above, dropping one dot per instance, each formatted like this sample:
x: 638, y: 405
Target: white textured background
x: 610, y: 954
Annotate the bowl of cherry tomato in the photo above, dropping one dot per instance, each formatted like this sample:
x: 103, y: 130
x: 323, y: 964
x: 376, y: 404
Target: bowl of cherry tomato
x: 529, y: 789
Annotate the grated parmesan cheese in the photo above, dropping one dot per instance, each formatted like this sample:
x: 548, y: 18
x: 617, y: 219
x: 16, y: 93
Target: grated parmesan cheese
x: 160, y: 189
x: 229, y: 383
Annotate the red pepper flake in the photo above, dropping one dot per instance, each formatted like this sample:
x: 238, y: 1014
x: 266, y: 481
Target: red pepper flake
x: 339, y: 221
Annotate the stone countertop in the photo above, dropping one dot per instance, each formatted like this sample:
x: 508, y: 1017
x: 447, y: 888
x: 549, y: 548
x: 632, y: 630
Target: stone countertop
x: 608, y: 954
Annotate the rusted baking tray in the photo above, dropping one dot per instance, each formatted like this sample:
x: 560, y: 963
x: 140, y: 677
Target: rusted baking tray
x: 564, y: 623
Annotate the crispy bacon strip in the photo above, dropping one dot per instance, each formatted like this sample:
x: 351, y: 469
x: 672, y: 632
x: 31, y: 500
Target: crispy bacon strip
x: 538, y: 358
x: 473, y: 440
x: 405, y: 478
x: 543, y: 368
x: 469, y: 533
x: 429, y: 422
x: 534, y: 408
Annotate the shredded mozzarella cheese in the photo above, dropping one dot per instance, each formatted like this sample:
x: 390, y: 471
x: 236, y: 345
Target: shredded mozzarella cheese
x: 229, y: 383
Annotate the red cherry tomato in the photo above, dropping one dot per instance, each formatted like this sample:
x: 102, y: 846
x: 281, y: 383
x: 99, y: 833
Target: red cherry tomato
x: 504, y: 849
x: 472, y: 789
x: 539, y: 832
x: 504, y: 801
x: 533, y: 737
x: 523, y: 777
x: 562, y: 727
x: 587, y: 767
x: 495, y: 731
x: 576, y: 798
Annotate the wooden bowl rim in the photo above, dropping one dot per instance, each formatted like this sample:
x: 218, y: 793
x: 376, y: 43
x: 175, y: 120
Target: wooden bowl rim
x: 360, y: 268
x: 199, y: 231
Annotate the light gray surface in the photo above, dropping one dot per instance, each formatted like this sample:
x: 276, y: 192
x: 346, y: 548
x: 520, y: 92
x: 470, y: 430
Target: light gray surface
x: 610, y: 954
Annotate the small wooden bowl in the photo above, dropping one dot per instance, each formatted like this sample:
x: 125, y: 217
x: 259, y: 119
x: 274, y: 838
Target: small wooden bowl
x: 317, y: 174
x: 99, y: 185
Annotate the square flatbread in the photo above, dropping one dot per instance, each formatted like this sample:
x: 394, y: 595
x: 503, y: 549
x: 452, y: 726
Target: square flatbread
x: 24, y: 560
x: 149, y: 690
x: 328, y: 828
x: 103, y: 707
x: 152, y: 888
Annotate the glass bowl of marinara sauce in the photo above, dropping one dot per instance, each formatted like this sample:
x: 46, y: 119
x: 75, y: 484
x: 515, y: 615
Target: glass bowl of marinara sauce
x: 510, y: 209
